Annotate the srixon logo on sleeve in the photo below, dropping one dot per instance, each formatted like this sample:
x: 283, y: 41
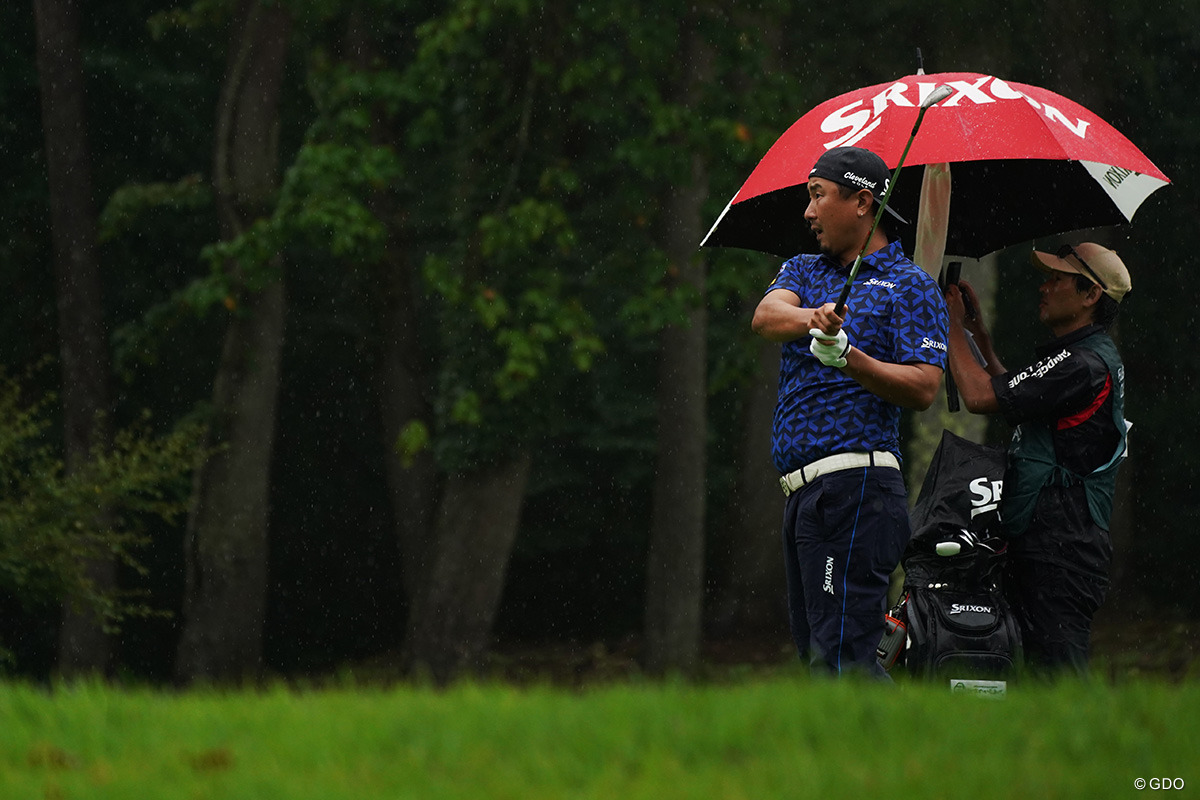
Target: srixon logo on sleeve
x: 852, y: 122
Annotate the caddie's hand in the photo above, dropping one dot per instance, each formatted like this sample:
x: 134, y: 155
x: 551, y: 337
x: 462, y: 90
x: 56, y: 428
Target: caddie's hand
x: 830, y: 351
x: 955, y: 307
x: 971, y: 300
x: 972, y: 316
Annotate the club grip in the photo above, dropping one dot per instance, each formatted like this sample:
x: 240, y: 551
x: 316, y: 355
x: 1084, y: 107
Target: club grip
x: 840, y: 308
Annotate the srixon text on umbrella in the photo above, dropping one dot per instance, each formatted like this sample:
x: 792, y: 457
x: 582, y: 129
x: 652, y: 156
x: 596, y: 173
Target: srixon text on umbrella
x: 858, y: 122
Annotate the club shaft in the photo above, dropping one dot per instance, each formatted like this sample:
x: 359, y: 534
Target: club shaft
x: 841, y: 303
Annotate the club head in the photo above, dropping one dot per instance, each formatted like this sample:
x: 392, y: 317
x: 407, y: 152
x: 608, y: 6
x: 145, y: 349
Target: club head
x: 937, y: 95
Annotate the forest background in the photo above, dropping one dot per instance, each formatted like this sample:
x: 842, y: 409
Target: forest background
x: 427, y: 275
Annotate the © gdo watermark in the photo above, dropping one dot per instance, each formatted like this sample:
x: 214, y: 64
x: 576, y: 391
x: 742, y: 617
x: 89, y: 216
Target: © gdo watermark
x: 1159, y: 784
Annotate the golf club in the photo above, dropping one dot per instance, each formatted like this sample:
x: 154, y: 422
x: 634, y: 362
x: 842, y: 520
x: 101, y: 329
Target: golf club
x: 936, y: 96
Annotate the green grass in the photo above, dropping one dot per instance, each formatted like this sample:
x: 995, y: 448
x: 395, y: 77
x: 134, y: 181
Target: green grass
x: 777, y: 737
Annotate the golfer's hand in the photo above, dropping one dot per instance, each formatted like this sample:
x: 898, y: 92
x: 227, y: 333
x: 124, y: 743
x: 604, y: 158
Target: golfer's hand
x: 830, y: 351
x: 830, y: 344
x: 826, y: 321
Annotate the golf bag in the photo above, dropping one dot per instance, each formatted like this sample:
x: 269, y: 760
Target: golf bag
x: 952, y: 620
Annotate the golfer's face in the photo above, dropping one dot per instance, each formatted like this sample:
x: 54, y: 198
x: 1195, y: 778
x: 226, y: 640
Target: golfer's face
x: 832, y: 219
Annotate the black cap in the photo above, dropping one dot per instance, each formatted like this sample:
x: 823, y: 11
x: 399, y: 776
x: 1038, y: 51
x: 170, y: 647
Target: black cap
x: 858, y: 169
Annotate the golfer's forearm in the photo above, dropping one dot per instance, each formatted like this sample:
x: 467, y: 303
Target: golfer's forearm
x: 906, y: 385
x: 780, y: 322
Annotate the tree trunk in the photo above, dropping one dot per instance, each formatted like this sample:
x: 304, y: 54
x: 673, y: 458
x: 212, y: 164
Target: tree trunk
x: 83, y: 645
x: 401, y: 377
x: 226, y: 552
x: 450, y: 625
x: 751, y: 592
x: 675, y: 568
x: 750, y: 595
x: 412, y: 481
x: 675, y: 562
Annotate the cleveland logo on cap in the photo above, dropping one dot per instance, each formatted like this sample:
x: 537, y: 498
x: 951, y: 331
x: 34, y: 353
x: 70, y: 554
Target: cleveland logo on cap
x: 859, y: 180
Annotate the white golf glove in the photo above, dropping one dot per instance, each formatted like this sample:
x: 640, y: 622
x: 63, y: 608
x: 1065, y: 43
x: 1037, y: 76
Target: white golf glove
x: 832, y: 354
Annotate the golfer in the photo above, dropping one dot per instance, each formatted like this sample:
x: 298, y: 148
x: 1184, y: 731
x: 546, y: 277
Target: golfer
x: 843, y: 381
x: 1070, y: 438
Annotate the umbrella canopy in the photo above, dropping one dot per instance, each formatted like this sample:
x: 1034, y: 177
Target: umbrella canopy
x: 1026, y: 163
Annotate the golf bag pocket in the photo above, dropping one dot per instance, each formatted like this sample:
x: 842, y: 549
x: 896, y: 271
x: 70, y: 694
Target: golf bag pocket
x: 956, y: 634
x: 895, y: 633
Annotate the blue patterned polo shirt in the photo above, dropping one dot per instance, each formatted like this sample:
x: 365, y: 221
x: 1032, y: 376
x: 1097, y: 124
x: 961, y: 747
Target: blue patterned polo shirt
x: 895, y: 313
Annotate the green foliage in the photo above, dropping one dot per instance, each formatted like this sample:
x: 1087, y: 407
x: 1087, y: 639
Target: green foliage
x: 128, y: 205
x: 502, y: 263
x: 189, y: 17
x: 322, y: 204
x: 54, y: 522
x: 411, y: 441
x: 520, y: 246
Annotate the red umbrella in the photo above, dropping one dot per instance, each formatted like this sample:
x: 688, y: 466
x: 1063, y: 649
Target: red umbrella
x: 1026, y: 163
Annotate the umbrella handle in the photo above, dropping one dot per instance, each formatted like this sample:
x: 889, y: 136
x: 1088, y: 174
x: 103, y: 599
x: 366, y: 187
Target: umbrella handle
x: 949, y: 276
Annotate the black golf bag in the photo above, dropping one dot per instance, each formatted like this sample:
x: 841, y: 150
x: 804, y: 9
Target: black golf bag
x: 952, y: 620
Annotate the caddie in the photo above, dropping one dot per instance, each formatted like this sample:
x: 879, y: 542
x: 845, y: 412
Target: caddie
x: 1069, y: 440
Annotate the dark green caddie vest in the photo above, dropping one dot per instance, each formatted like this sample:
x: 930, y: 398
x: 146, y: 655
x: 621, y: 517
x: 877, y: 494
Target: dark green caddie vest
x: 1032, y: 464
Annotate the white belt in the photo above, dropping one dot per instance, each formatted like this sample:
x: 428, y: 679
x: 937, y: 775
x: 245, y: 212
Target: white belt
x: 794, y: 481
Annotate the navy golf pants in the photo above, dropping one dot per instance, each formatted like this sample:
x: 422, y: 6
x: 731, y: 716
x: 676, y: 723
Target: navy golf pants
x: 1054, y: 606
x: 1056, y: 579
x: 843, y: 536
